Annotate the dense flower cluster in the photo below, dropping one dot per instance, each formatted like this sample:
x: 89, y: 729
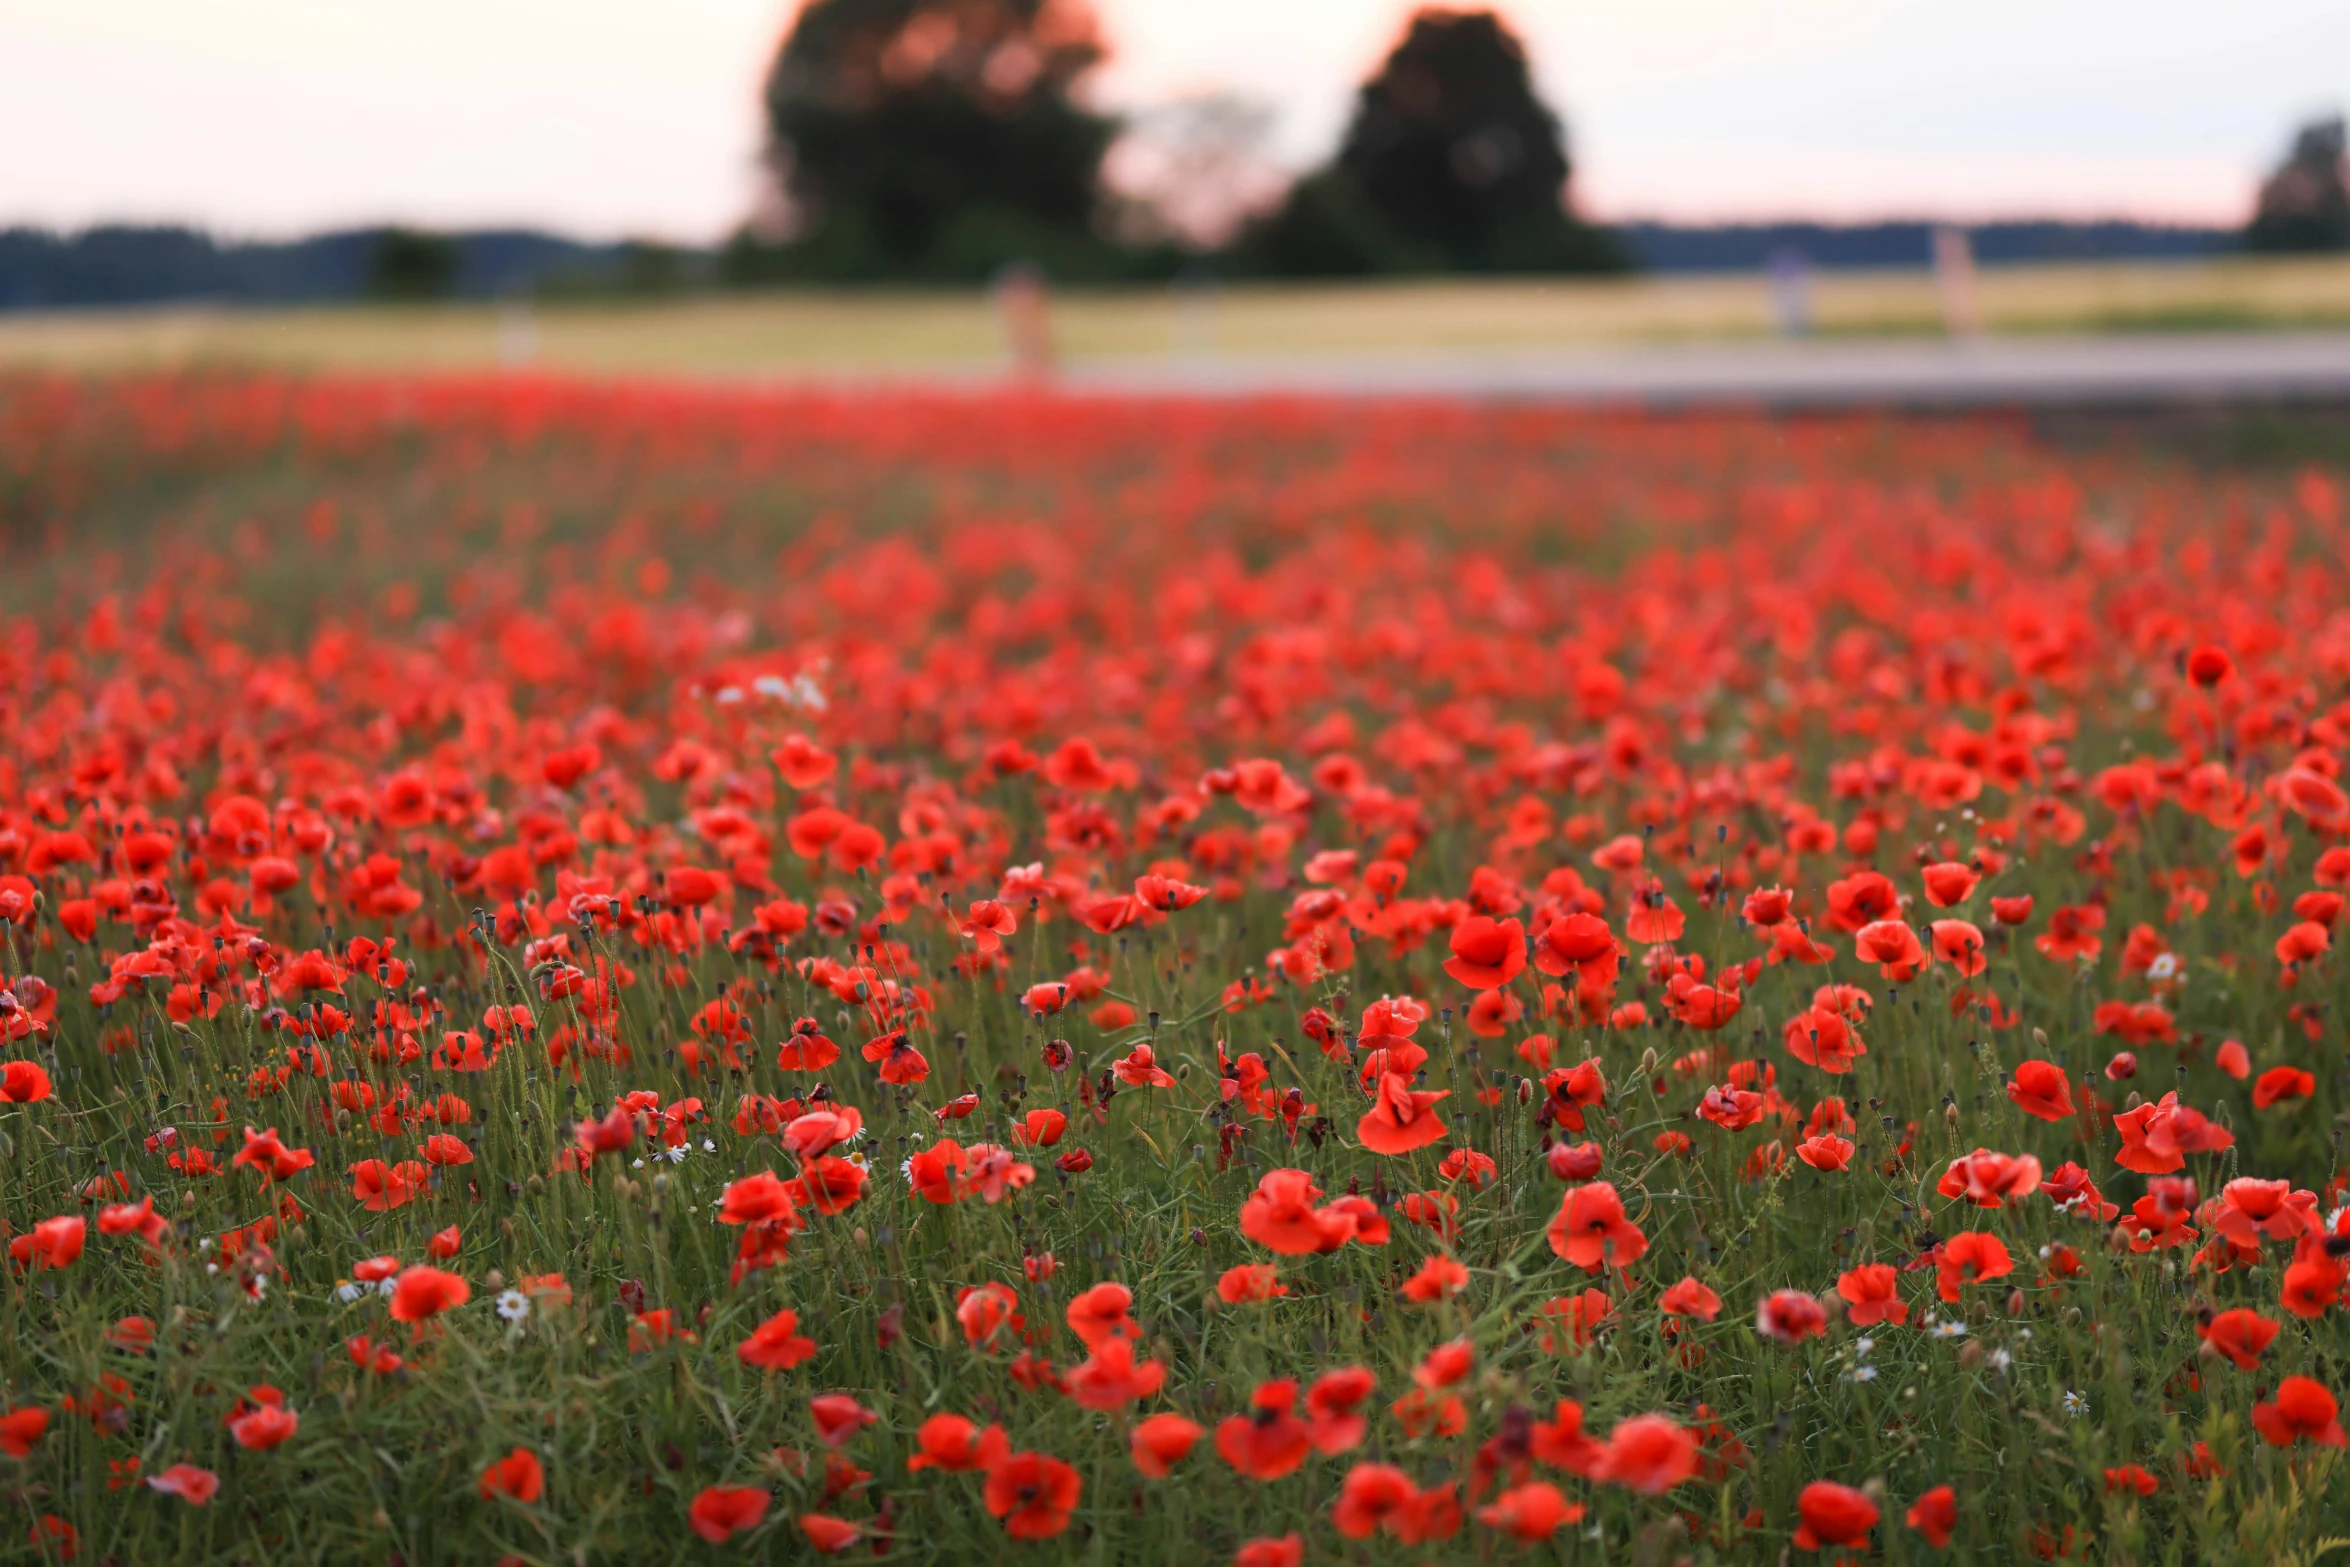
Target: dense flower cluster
x: 945, y: 978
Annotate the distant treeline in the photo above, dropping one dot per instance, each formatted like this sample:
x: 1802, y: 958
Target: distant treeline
x: 41, y: 270
x: 125, y: 265
x: 1743, y: 247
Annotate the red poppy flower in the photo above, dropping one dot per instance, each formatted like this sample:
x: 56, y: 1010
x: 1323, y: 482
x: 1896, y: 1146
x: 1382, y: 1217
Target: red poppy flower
x: 1334, y: 1408
x: 1949, y: 884
x: 1832, y: 1514
x: 1486, y: 953
x: 2241, y: 1335
x: 1287, y: 1551
x: 2280, y: 1083
x: 838, y: 1417
x: 1439, y: 1278
x: 1250, y: 1282
x: 1935, y: 1516
x: 1112, y: 1378
x: 1401, y: 1118
x: 1033, y: 1494
x: 23, y: 1083
x: 1972, y: 1257
x: 1650, y: 1454
x: 1591, y: 1231
x: 1689, y: 1298
x: 1269, y: 1441
x: 423, y: 1292
x: 1790, y: 1316
x: 52, y: 1243
x: 1825, y: 1152
x: 776, y: 1344
x: 956, y: 1445
x: 261, y: 1420
x: 192, y: 1485
x: 1161, y: 1442
x: 1530, y: 1512
x: 720, y: 1512
x: 2303, y: 1410
x: 20, y: 1429
x: 2039, y: 1089
x: 1574, y: 1161
x: 1870, y: 1296
x: 518, y: 1475
x: 1988, y: 1179
x: 1368, y: 1497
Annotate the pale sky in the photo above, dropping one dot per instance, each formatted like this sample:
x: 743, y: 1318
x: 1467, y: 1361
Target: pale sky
x: 610, y: 117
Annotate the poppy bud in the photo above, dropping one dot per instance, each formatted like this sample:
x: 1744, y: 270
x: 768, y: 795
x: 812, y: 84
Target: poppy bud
x: 2015, y: 1303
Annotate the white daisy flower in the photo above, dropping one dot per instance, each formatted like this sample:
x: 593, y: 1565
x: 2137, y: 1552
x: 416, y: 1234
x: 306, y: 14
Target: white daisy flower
x: 2076, y: 1404
x: 513, y: 1305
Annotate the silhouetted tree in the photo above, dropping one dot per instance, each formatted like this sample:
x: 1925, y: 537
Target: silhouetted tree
x: 2305, y: 205
x: 1451, y: 162
x: 408, y: 264
x: 937, y: 137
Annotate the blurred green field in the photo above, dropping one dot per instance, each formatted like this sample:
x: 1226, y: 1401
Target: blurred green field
x: 885, y: 332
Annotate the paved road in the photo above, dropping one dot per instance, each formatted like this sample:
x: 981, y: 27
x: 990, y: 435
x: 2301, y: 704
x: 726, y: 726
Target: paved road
x: 2173, y: 368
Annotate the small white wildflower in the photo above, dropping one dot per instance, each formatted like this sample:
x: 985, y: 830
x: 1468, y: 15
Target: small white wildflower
x: 2165, y: 966
x: 2047, y: 1252
x: 807, y: 693
x: 1862, y: 1345
x: 772, y: 688
x: 709, y: 1146
x: 2334, y: 1219
x: 205, y: 1244
x: 865, y: 1165
x: 2001, y: 1360
x: 387, y: 1287
x: 258, y: 1287
x: 728, y: 696
x: 2076, y: 1404
x: 212, y: 1267
x: 636, y: 1164
x: 1861, y: 1374
x: 1948, y: 1330
x: 513, y: 1305
x: 347, y: 1292
x: 2025, y: 1334
x: 674, y: 1155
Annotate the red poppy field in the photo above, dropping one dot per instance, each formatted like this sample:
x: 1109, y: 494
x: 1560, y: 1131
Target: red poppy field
x: 606, y: 974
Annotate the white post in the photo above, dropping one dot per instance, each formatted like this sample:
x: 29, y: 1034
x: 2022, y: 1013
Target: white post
x: 1954, y: 278
x: 1026, y: 312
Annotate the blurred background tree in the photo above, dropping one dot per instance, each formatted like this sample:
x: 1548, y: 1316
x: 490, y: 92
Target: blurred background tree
x: 2305, y: 205
x: 933, y: 139
x: 1452, y: 162
x: 410, y: 264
